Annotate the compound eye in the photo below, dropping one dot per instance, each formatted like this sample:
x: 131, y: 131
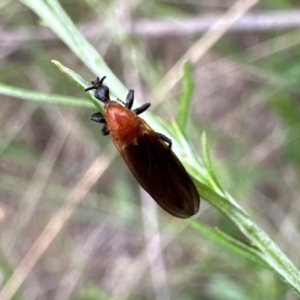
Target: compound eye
x: 102, y: 93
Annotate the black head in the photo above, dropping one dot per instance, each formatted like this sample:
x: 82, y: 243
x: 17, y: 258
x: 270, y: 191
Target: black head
x: 101, y: 91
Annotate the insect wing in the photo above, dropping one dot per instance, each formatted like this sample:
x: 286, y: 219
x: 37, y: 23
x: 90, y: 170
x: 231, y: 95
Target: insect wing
x: 161, y: 174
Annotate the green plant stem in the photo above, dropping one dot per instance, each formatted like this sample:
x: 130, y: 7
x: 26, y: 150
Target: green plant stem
x: 277, y: 261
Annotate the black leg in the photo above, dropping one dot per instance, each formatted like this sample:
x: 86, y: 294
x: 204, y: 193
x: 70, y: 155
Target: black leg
x: 142, y: 108
x: 129, y: 99
x: 105, y: 130
x: 165, y: 139
x: 98, y: 117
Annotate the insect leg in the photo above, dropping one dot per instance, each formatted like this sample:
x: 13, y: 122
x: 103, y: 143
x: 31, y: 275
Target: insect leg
x: 165, y: 139
x: 129, y: 99
x: 142, y: 108
x: 98, y: 117
x: 105, y: 130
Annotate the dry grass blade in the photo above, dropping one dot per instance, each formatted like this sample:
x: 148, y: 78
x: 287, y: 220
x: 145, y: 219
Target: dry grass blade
x: 202, y: 46
x: 55, y: 225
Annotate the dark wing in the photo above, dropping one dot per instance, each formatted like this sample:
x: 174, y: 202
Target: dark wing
x: 161, y: 174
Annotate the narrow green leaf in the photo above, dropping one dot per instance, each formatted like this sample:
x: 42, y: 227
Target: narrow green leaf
x: 186, y: 96
x: 54, y: 16
x: 230, y: 243
x: 208, y: 163
x: 79, y: 81
x: 41, y: 97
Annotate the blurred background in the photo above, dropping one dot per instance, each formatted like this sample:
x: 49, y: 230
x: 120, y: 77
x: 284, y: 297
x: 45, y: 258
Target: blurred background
x: 118, y: 244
